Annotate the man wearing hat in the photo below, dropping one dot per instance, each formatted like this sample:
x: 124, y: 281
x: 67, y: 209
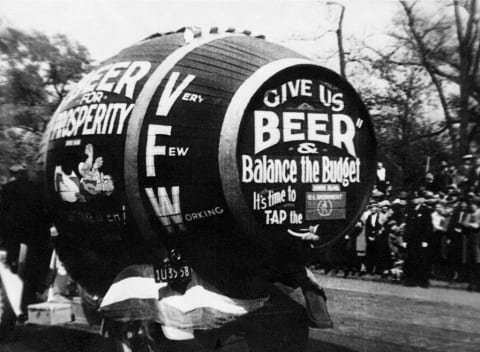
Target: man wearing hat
x: 372, y: 230
x: 385, y: 211
x: 457, y: 241
x: 466, y: 165
x: 472, y: 225
x: 430, y: 183
x: 382, y: 182
x: 443, y: 178
x: 418, y: 232
x: 474, y: 176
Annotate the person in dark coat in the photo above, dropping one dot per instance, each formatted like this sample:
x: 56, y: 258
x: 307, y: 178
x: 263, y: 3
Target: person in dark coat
x: 443, y: 179
x: 13, y: 213
x: 25, y: 222
x: 466, y: 165
x: 457, y: 243
x: 384, y: 252
x: 474, y: 176
x: 430, y: 184
x: 352, y: 260
x: 472, y: 224
x: 372, y: 230
x: 418, y: 233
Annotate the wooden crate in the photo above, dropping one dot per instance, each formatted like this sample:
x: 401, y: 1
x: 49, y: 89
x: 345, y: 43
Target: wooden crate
x: 49, y: 313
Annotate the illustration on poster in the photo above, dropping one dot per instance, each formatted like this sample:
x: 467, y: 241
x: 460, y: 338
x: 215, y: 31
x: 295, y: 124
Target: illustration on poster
x: 93, y: 182
x: 309, y: 234
x: 325, y: 208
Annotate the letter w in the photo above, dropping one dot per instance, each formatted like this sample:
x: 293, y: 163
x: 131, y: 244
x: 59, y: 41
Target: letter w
x: 167, y: 212
x: 169, y: 96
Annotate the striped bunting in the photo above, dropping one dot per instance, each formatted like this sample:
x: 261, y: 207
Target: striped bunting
x: 134, y: 295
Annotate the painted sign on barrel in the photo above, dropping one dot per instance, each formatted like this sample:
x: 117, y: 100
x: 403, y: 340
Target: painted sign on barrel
x: 216, y: 132
x: 304, y: 155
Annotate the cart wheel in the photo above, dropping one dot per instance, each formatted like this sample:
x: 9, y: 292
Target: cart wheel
x: 8, y: 318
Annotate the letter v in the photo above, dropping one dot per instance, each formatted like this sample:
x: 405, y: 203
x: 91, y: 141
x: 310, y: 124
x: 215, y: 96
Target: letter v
x: 169, y: 95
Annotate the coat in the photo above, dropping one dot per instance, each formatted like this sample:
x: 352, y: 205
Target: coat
x: 472, y: 223
x: 418, y: 233
x: 457, y: 233
x: 372, y: 228
x: 419, y: 225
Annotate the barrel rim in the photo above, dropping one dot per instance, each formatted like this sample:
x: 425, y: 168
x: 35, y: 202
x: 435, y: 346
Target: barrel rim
x: 135, y: 124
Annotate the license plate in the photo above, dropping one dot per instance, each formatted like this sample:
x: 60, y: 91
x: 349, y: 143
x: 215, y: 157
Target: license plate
x: 168, y: 273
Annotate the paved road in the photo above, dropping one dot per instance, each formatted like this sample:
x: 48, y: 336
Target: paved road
x: 368, y: 316
x: 373, y: 316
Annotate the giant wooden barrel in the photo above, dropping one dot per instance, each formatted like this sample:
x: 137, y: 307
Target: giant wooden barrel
x: 217, y: 131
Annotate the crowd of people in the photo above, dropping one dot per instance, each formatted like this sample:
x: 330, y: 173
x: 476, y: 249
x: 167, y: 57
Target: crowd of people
x: 413, y: 236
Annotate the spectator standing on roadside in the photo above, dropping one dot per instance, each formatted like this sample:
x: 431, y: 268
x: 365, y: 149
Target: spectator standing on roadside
x: 417, y: 235
x: 457, y: 178
x: 443, y: 179
x: 474, y: 176
x: 372, y: 230
x: 352, y: 263
x: 384, y: 255
x: 430, y: 184
x: 382, y: 181
x: 361, y: 242
x: 27, y: 227
x: 397, y: 243
x: 472, y: 224
x: 457, y: 246
x: 385, y: 211
x: 12, y: 214
x: 466, y: 165
x: 438, y: 237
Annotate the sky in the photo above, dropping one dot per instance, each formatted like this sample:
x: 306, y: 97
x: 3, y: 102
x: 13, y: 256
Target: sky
x: 107, y: 26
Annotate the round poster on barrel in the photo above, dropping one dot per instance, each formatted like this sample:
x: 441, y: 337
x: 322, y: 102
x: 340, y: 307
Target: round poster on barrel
x: 305, y: 158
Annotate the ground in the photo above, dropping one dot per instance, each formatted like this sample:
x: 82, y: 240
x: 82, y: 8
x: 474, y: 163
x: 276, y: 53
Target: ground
x: 368, y: 316
x: 374, y: 316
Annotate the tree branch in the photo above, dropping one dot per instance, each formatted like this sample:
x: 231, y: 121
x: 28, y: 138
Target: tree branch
x: 432, y: 134
x: 469, y: 37
x: 458, y: 22
x: 431, y: 69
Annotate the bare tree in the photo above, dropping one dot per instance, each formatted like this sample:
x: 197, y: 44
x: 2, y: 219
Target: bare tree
x: 449, y: 50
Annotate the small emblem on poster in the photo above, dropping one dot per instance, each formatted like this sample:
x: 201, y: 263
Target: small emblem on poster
x: 325, y: 205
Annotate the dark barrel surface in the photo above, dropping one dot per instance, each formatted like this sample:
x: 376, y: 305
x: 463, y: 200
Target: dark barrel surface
x: 182, y: 132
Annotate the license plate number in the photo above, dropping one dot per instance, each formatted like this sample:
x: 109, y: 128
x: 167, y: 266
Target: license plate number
x: 168, y: 273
